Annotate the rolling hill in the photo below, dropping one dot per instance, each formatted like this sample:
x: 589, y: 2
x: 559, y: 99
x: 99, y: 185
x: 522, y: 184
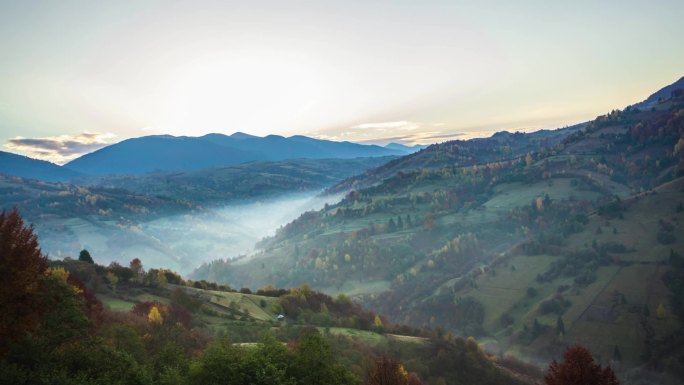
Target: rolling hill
x: 29, y: 168
x: 247, y: 181
x: 169, y: 153
x: 662, y: 94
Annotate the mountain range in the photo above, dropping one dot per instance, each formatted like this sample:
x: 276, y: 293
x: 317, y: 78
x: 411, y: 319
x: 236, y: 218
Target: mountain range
x: 159, y: 153
x: 170, y: 153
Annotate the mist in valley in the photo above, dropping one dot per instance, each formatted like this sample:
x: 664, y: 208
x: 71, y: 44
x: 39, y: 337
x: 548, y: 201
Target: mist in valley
x: 177, y: 242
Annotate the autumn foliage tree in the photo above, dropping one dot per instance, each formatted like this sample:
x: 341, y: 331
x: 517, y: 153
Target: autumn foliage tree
x: 578, y: 368
x: 388, y: 371
x: 22, y: 265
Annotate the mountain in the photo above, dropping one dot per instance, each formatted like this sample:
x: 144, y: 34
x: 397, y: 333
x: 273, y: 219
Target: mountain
x: 276, y: 147
x: 159, y: 153
x: 169, y: 153
x: 29, y: 168
x: 662, y: 94
x: 530, y: 242
x: 404, y: 148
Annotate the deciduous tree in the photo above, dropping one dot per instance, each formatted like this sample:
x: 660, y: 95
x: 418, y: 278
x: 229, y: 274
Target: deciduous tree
x: 154, y: 316
x: 388, y: 371
x: 22, y: 266
x: 578, y: 368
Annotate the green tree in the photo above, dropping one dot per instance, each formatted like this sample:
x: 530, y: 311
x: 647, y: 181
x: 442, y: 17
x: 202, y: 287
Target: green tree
x: 63, y: 319
x: 391, y: 226
x: 84, y: 256
x: 113, y: 279
x: 314, y: 364
x: 560, y: 326
x: 616, y: 354
x: 136, y: 267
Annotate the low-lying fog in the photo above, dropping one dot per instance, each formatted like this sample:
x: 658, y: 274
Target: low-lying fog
x: 180, y: 242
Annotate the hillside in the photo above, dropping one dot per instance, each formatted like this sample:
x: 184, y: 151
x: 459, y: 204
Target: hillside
x: 460, y: 153
x: 662, y: 94
x: 25, y: 167
x: 169, y: 153
x: 249, y: 181
x: 418, y: 245
x: 125, y: 324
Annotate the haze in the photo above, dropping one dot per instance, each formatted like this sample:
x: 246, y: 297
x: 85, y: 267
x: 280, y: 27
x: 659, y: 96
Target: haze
x: 180, y: 243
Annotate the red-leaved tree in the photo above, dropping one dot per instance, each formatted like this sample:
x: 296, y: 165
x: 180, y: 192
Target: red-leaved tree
x: 22, y: 265
x: 578, y: 368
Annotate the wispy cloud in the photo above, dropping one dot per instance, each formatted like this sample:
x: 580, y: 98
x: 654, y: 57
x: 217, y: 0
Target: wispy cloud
x: 403, y: 125
x: 59, y: 149
x: 400, y: 131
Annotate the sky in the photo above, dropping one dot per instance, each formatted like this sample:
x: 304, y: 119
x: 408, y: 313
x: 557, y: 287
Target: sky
x: 78, y: 75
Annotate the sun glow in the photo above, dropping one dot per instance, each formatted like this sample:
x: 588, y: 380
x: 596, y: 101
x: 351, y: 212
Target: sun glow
x: 252, y: 91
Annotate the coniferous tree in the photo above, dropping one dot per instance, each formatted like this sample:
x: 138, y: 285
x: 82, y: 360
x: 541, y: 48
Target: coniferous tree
x: 84, y: 256
x: 560, y: 326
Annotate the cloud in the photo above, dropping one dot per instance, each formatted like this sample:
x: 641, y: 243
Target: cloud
x: 398, y: 125
x: 59, y: 149
x: 400, y: 131
x: 444, y: 136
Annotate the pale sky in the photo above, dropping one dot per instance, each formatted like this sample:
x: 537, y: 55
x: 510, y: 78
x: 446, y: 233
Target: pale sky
x: 75, y: 76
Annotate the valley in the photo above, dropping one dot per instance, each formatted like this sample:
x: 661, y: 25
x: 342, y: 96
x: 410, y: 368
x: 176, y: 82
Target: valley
x: 341, y: 193
x: 176, y: 220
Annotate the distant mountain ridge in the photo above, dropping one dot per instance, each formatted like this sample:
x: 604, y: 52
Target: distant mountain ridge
x: 29, y: 168
x: 405, y: 148
x: 170, y: 153
x: 662, y: 94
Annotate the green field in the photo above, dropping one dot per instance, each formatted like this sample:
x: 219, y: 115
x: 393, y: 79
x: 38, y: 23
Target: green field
x: 244, y: 304
x: 116, y: 304
x: 511, y: 195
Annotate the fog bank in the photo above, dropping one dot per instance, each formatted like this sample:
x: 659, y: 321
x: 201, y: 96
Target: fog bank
x: 179, y: 242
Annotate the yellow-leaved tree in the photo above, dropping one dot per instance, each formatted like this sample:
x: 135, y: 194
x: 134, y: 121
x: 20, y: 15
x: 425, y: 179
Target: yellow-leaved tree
x: 59, y: 272
x: 154, y: 316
